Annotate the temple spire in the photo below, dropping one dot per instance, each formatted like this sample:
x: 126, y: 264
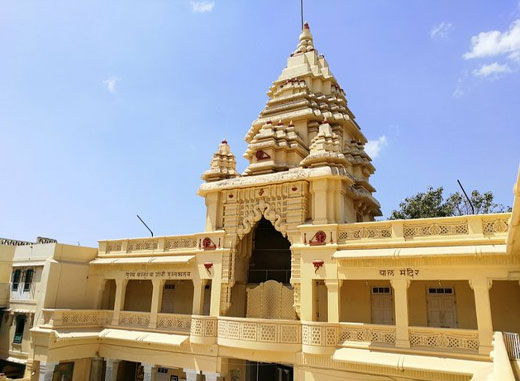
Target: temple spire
x: 306, y: 43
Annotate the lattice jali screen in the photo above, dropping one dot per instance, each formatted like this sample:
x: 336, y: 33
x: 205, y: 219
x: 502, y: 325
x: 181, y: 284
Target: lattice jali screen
x: 432, y: 229
x: 114, y: 246
x: 180, y: 243
x: 170, y: 322
x: 376, y: 232
x: 445, y: 340
x: 271, y: 300
x: 495, y: 225
x: 144, y: 244
x: 381, y: 335
x: 75, y: 318
x: 260, y: 331
x: 134, y: 319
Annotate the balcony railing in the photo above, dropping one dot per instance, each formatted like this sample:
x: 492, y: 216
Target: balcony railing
x: 483, y: 226
x: 76, y: 318
x: 444, y: 339
x: 259, y: 333
x: 280, y: 335
x: 321, y: 338
x: 167, y: 244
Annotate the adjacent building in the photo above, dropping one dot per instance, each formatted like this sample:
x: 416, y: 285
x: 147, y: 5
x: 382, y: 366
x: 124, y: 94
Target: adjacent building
x: 292, y: 278
x: 35, y: 275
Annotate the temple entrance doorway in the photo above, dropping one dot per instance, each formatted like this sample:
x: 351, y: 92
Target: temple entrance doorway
x: 262, y: 371
x: 270, y: 256
x: 263, y: 289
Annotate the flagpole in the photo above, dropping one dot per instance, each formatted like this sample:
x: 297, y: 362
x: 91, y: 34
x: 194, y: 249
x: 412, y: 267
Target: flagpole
x: 301, y: 11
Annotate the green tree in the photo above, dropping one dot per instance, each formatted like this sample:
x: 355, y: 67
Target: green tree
x: 433, y: 204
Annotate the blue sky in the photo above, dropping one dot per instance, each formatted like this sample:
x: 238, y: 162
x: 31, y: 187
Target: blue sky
x: 112, y: 108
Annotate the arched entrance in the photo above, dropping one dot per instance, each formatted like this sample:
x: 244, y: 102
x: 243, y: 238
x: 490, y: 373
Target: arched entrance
x: 263, y: 274
x: 270, y: 255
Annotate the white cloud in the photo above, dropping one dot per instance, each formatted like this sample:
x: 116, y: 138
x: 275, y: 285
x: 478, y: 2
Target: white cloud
x: 494, y: 43
x: 441, y: 31
x: 493, y: 69
x: 202, y: 6
x: 110, y: 84
x: 373, y: 147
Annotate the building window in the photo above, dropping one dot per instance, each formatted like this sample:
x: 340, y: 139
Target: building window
x: 16, y: 279
x: 28, y: 279
x: 20, y: 325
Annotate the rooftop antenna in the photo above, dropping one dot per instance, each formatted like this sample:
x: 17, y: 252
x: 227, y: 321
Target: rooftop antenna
x: 301, y: 11
x: 467, y: 198
x: 144, y: 223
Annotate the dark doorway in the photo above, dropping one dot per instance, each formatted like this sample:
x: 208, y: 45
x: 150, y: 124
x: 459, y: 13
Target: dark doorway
x: 262, y: 371
x: 271, y: 255
x: 129, y: 371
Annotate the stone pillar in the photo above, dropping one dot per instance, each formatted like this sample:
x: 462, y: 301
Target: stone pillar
x: 211, y: 376
x: 319, y: 204
x: 400, y: 287
x: 148, y: 368
x: 306, y: 299
x: 158, y: 286
x: 100, y: 290
x: 212, y: 211
x: 198, y: 295
x: 119, y: 302
x: 96, y: 369
x: 192, y: 375
x: 46, y: 370
x: 481, y: 288
x: 333, y: 299
x: 111, y: 369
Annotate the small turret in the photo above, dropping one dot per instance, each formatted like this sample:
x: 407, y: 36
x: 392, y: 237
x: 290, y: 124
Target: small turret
x: 223, y: 164
x: 325, y: 149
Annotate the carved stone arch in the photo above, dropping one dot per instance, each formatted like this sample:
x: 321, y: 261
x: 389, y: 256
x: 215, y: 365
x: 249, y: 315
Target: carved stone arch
x: 265, y: 209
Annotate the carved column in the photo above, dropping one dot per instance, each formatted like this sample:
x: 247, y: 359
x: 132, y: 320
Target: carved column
x: 96, y: 369
x: 481, y: 288
x: 46, y: 370
x: 119, y: 302
x: 400, y: 287
x: 158, y: 285
x: 147, y: 376
x: 111, y: 369
x: 333, y: 299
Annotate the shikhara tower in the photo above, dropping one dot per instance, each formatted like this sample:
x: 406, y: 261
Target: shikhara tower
x: 305, y: 132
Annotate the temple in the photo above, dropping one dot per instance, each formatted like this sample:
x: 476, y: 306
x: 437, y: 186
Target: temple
x: 291, y: 279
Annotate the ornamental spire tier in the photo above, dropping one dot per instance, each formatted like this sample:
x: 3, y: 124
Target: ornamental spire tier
x: 223, y: 164
x: 306, y: 132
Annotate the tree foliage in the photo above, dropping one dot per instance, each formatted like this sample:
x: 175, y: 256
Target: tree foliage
x: 433, y: 204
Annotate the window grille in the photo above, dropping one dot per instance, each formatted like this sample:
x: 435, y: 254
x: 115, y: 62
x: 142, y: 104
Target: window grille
x: 440, y: 290
x: 17, y: 274
x: 28, y: 279
x: 381, y: 290
x: 20, y: 325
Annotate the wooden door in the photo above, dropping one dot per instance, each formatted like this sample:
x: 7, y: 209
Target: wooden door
x: 442, y: 308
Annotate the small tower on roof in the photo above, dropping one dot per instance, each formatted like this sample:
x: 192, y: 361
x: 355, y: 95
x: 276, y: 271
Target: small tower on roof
x: 223, y: 164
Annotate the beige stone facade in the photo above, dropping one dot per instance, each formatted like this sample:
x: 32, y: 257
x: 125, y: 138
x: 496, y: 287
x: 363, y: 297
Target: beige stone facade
x: 292, y: 278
